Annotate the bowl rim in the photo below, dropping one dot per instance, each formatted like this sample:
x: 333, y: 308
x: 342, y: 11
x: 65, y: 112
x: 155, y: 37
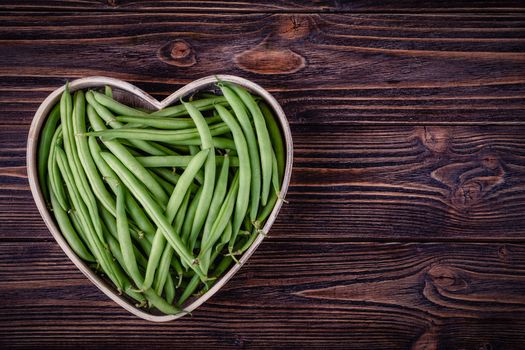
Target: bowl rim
x: 100, y: 81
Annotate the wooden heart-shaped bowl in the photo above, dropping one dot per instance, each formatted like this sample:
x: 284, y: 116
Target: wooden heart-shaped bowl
x: 131, y: 95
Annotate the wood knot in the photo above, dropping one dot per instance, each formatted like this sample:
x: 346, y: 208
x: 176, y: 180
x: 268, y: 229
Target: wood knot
x: 446, y: 278
x: 178, y: 53
x: 293, y: 26
x: 466, y: 194
x: 435, y: 138
x: 112, y: 3
x: 264, y: 60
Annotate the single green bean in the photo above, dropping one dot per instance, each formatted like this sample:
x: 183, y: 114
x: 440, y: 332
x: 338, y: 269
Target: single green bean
x: 218, y: 142
x: 276, y: 138
x: 200, y: 175
x: 218, y: 198
x: 276, y: 182
x: 209, y: 172
x: 169, y: 290
x: 52, y: 170
x: 175, y: 202
x: 243, y: 195
x: 131, y: 162
x: 253, y: 149
x: 190, y: 288
x: 108, y: 91
x: 263, y: 138
x: 179, y: 110
x: 178, y: 161
x: 68, y: 231
x: 164, y: 123
x: 116, y: 106
x: 190, y: 216
x: 153, y: 209
x: 124, y: 238
x: 44, y: 146
x: 158, y: 135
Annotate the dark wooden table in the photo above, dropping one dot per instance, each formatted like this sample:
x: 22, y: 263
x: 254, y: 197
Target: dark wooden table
x: 406, y: 224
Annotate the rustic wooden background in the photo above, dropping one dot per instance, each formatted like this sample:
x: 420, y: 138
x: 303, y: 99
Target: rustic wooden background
x: 405, y: 227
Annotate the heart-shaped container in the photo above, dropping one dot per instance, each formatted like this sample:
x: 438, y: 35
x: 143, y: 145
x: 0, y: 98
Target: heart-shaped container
x: 130, y: 94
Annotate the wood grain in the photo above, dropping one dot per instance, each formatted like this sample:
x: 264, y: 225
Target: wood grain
x: 359, y: 69
x: 404, y: 228
x: 337, y: 295
x: 390, y: 182
x: 272, y: 6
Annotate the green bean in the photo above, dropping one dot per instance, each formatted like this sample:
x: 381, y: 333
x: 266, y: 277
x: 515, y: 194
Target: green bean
x: 77, y: 225
x: 276, y: 138
x: 275, y: 175
x: 243, y: 195
x: 108, y: 117
x: 86, y: 160
x: 253, y: 149
x: 79, y: 176
x: 225, y: 237
x: 52, y: 170
x: 223, y: 217
x: 136, y: 213
x: 114, y: 248
x: 160, y: 303
x: 158, y: 135
x: 161, y: 150
x: 164, y: 123
x: 263, y: 138
x: 218, y: 142
x: 153, y: 209
x: 174, y: 204
x: 124, y: 239
x: 95, y: 244
x: 169, y: 289
x: 200, y: 175
x: 218, y: 198
x: 68, y: 231
x: 247, y: 244
x: 108, y: 91
x: 209, y: 172
x: 168, y: 187
x: 116, y: 106
x: 178, y: 161
x: 163, y: 269
x: 111, y: 226
x: 131, y: 162
x: 190, y: 288
x: 179, y: 110
x: 190, y: 216
x: 168, y: 175
x: 44, y: 146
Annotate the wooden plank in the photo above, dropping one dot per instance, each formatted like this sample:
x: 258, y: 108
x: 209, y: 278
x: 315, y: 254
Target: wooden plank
x: 358, y: 69
x: 360, y: 183
x: 266, y: 6
x: 336, y: 295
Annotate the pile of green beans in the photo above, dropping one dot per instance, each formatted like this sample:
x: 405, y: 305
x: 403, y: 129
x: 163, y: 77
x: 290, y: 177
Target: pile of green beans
x: 161, y: 203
